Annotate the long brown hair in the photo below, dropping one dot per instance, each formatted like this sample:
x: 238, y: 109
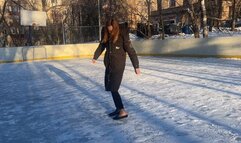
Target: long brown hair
x: 115, y: 32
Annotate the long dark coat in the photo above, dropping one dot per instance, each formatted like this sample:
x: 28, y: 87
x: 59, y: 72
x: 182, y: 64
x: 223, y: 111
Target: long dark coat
x: 115, y: 59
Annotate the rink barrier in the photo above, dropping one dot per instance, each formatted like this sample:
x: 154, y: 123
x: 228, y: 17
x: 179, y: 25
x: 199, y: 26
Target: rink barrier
x: 47, y: 52
x: 222, y: 47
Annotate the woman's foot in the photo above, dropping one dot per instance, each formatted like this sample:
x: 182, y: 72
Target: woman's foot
x: 122, y: 114
x: 114, y: 113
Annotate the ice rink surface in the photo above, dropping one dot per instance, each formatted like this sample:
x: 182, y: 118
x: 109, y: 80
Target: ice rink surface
x: 175, y: 100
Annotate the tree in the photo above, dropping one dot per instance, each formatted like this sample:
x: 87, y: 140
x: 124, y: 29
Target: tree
x: 117, y: 9
x: 162, y: 32
x: 238, y: 7
x: 142, y: 9
x: 233, y: 14
x: 3, y: 11
x: 212, y: 12
x: 204, y: 18
x: 194, y: 17
x: 2, y: 20
x: 220, y: 12
x: 148, y: 4
x: 9, y: 24
x: 44, y: 5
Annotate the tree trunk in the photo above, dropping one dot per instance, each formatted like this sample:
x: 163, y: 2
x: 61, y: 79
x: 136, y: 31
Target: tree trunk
x: 194, y: 19
x: 162, y: 32
x: 212, y: 10
x: 3, y: 11
x: 220, y: 12
x: 204, y: 19
x: 148, y: 2
x: 233, y: 15
x: 44, y: 5
x: 238, y: 8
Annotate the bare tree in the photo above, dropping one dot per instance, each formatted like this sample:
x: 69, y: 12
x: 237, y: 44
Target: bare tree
x: 220, y: 12
x: 142, y: 9
x: 3, y: 10
x: 162, y: 32
x: 204, y: 18
x: 9, y: 24
x: 212, y: 12
x: 194, y: 16
x: 238, y: 8
x: 2, y: 20
x: 117, y: 9
x: 44, y: 5
x: 148, y: 4
x: 233, y: 15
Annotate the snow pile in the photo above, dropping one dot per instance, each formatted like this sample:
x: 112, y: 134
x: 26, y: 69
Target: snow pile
x: 221, y: 32
x: 133, y: 37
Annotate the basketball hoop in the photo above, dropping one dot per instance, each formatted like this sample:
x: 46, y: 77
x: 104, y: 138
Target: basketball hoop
x: 33, y: 18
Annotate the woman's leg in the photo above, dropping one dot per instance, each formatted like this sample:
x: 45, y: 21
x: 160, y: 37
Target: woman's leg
x: 117, y: 100
x: 120, y: 112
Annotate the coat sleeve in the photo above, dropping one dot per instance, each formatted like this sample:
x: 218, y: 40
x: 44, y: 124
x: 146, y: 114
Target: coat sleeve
x: 129, y: 49
x: 100, y: 48
x: 99, y: 51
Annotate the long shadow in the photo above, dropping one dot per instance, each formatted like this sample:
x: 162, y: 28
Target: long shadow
x: 187, y: 60
x: 167, y: 70
x: 185, y: 110
x: 11, y: 78
x: 226, y: 63
x: 191, y: 60
x: 30, y: 115
x: 147, y: 116
x: 218, y: 76
x: 71, y: 82
x: 17, y: 100
x: 88, y: 113
x: 194, y: 84
x: 178, y: 135
x: 214, y: 122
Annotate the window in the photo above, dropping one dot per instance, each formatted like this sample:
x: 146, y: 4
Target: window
x: 172, y: 3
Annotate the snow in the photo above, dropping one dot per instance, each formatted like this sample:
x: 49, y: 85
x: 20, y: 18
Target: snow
x: 221, y: 32
x: 133, y: 37
x: 175, y: 100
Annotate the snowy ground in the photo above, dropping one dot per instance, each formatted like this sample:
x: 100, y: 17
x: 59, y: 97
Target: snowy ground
x: 175, y: 100
x: 221, y: 32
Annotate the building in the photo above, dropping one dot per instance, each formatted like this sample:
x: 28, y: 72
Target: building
x: 138, y: 12
x: 175, y: 11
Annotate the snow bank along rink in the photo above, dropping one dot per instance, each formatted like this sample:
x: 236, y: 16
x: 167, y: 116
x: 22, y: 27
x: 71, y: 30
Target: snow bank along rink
x: 175, y: 100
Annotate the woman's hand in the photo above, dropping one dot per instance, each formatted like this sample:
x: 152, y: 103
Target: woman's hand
x: 93, y: 61
x: 138, y: 71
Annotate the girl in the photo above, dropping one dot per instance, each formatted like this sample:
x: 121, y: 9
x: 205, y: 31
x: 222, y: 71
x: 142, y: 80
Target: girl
x: 115, y: 40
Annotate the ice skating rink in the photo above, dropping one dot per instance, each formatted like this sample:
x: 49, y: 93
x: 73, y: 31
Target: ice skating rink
x: 175, y: 100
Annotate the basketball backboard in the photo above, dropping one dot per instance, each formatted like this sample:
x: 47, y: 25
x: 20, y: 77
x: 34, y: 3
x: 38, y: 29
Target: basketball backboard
x: 33, y: 18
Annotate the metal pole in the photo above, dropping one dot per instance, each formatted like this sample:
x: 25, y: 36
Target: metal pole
x: 99, y: 20
x: 63, y: 30
x: 30, y: 43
